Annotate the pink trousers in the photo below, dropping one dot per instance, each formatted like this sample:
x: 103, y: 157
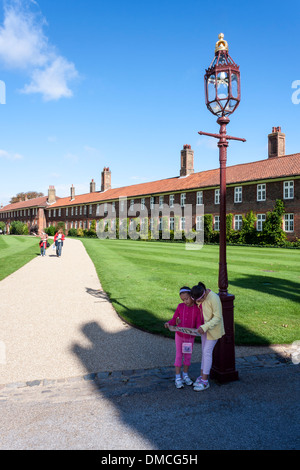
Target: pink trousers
x: 207, y: 353
x: 186, y: 357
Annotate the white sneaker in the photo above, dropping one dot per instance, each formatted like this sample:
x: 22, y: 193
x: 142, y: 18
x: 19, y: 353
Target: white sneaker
x: 187, y: 380
x: 201, y: 386
x: 179, y: 383
x: 197, y: 381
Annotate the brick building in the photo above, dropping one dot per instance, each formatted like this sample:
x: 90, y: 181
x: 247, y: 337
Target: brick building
x: 250, y: 186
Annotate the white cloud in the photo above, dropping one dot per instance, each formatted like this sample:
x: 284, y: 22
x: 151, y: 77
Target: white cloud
x: 10, y: 156
x: 52, y: 81
x: 25, y: 47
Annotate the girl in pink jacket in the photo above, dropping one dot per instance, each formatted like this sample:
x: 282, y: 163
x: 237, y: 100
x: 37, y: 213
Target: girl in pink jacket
x: 187, y: 315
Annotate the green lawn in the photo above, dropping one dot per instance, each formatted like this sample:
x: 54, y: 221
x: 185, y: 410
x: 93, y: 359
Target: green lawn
x: 15, y: 251
x: 142, y: 280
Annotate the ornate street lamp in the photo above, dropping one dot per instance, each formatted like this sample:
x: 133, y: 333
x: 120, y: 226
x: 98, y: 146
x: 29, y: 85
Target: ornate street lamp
x: 222, y: 96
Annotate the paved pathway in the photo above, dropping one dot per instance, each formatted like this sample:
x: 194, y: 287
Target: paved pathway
x: 58, y: 325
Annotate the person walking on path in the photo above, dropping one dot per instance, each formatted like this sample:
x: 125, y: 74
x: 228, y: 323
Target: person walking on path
x: 187, y: 315
x: 43, y: 243
x: 59, y: 238
x: 211, y: 330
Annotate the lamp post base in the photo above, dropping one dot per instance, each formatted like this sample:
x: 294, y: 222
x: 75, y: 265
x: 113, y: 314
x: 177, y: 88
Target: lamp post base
x: 223, y: 367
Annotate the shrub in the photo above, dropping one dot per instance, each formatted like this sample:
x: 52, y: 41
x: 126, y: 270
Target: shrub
x: 18, y: 228
x: 72, y: 232
x: 272, y: 232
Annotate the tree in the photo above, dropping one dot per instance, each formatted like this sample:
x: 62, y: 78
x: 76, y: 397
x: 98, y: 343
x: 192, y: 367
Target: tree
x: 22, y: 196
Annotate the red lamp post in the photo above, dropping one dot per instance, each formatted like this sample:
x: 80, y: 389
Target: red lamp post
x: 222, y: 96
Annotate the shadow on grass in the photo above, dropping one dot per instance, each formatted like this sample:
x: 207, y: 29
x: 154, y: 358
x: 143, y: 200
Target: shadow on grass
x: 283, y: 288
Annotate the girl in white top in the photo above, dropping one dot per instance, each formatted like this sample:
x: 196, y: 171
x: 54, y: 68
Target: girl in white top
x: 211, y: 330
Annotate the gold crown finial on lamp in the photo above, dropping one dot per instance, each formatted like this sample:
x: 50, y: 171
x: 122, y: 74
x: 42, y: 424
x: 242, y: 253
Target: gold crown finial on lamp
x: 221, y: 45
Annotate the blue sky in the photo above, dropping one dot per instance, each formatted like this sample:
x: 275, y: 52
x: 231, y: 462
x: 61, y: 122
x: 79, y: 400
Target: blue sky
x: 92, y: 83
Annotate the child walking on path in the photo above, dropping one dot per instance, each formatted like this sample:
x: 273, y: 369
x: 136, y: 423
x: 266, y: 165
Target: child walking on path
x: 43, y: 243
x: 211, y: 330
x: 187, y: 315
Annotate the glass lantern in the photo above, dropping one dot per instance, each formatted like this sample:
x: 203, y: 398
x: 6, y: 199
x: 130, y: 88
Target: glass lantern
x: 222, y: 82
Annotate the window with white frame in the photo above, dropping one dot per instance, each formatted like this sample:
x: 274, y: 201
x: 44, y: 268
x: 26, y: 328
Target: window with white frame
x: 238, y: 194
x: 54, y: 212
x: 142, y: 203
x: 131, y: 205
x: 72, y: 211
x: 105, y: 208
x: 288, y: 190
x: 217, y: 223
x: 172, y: 223
x: 261, y: 192
x: 160, y: 223
x: 217, y: 196
x: 199, y: 198
x: 152, y: 202
x: 182, y: 223
x: 171, y: 201
x: 90, y: 209
x: 113, y: 206
x: 238, y: 222
x: 122, y: 205
x: 59, y: 212
x: 67, y: 211
x: 84, y: 209
x: 80, y: 210
x: 151, y: 223
x: 288, y: 222
x: 261, y: 218
x: 161, y: 202
x: 76, y: 211
x: 199, y: 223
x: 182, y: 199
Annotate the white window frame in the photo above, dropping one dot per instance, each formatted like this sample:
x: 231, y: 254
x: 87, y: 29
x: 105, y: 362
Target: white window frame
x: 288, y: 190
x: 171, y: 200
x: 182, y: 199
x: 161, y: 202
x: 261, y: 218
x: 152, y: 202
x: 199, y: 198
x: 142, y: 203
x: 261, y: 192
x: 288, y: 223
x: 238, y: 222
x: 238, y: 194
x: 172, y: 223
x: 217, y: 196
x: 182, y: 223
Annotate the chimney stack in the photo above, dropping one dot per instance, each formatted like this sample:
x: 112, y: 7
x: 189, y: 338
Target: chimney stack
x: 187, y: 161
x: 72, y: 193
x: 51, y: 195
x: 105, y: 179
x: 92, y: 186
x: 276, y: 143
